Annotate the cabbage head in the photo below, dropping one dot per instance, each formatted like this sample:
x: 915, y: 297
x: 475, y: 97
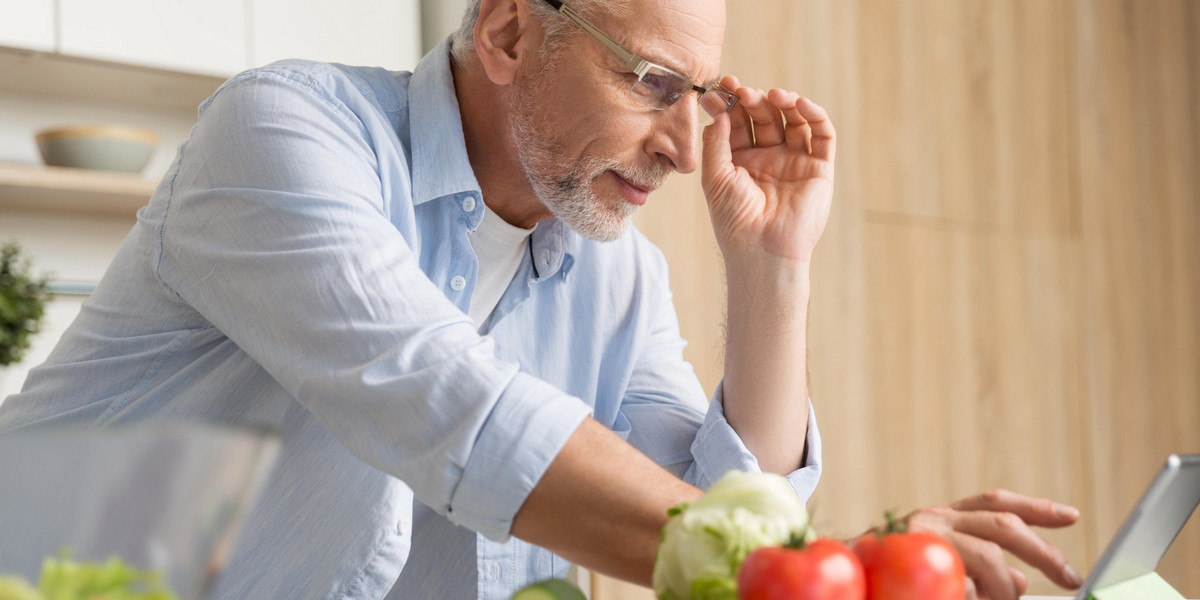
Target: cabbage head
x: 704, y: 542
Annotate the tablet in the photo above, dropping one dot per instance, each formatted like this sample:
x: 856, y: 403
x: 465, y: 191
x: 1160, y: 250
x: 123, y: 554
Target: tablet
x: 1151, y: 527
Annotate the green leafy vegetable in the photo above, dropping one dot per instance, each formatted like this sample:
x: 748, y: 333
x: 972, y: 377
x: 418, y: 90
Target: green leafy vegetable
x: 65, y: 579
x: 15, y: 588
x: 22, y: 304
x: 550, y: 589
x: 705, y: 542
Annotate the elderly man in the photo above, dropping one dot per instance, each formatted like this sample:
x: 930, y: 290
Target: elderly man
x: 427, y: 283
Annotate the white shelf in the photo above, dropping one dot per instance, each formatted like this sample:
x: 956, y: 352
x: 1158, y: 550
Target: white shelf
x: 79, y: 191
x: 47, y: 74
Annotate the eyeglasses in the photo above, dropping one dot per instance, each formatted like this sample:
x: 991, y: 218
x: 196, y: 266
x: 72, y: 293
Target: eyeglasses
x: 657, y: 86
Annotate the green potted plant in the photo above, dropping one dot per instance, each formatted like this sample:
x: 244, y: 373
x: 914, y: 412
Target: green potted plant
x: 22, y: 305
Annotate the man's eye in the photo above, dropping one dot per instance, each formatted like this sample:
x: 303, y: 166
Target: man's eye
x: 658, y: 83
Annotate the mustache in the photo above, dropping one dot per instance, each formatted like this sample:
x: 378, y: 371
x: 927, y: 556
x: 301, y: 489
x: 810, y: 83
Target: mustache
x: 652, y: 177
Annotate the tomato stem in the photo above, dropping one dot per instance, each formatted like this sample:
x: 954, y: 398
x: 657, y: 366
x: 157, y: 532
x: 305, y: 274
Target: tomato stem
x: 797, y: 539
x: 894, y: 525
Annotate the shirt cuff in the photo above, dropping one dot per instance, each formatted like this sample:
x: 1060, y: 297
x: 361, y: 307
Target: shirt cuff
x: 525, y: 431
x: 719, y: 449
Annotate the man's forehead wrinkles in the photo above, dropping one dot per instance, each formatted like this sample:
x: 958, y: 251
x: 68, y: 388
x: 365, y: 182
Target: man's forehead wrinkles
x: 657, y: 58
x: 688, y: 36
x: 664, y: 40
x: 654, y: 55
x: 683, y: 71
x: 661, y: 57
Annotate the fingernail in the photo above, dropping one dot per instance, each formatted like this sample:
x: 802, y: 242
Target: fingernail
x: 1072, y: 577
x: 1065, y: 511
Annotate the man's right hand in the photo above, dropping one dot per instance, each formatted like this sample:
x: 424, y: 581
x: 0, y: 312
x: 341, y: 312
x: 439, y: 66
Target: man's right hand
x: 602, y: 504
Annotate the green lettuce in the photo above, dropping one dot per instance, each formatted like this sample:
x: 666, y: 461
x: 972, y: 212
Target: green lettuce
x: 704, y: 542
x: 65, y: 579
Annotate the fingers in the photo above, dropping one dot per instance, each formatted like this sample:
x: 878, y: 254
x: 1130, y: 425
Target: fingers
x: 716, y: 152
x: 824, y: 138
x: 796, y: 131
x: 984, y: 561
x: 1034, y: 511
x: 1010, y: 532
x: 1020, y: 580
x: 766, y: 119
x: 740, y: 132
x: 972, y: 593
x: 777, y: 117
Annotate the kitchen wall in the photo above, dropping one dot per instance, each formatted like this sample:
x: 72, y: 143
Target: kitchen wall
x: 69, y: 247
x: 1008, y: 292
x: 104, y: 53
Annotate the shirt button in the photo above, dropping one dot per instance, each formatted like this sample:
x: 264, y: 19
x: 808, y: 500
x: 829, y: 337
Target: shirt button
x: 402, y: 526
x: 469, y: 204
x: 457, y: 283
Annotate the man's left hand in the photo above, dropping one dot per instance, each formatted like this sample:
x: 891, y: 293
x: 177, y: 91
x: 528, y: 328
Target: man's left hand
x: 768, y: 174
x: 982, y: 527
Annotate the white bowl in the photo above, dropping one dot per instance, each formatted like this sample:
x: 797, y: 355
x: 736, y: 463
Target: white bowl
x: 105, y: 147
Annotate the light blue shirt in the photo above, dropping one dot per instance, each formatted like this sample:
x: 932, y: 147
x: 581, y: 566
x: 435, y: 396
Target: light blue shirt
x: 304, y: 265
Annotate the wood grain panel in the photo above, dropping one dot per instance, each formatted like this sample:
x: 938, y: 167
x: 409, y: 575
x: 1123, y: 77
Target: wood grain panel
x: 676, y: 219
x: 1138, y: 157
x: 967, y: 109
x: 974, y: 367
x: 1008, y: 293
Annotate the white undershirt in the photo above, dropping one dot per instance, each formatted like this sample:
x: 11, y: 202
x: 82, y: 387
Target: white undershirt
x: 500, y: 248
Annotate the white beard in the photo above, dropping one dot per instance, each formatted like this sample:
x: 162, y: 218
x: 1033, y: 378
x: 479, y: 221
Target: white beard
x: 567, y: 189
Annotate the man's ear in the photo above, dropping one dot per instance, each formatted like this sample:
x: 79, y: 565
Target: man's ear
x: 506, y: 35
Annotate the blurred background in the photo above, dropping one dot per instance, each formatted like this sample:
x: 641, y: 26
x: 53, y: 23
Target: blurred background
x: 1008, y: 292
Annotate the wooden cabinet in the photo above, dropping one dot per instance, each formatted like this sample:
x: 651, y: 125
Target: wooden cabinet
x: 383, y: 33
x: 181, y: 35
x: 27, y: 24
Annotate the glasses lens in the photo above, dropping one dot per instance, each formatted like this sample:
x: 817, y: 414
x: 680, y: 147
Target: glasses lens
x: 659, y: 88
x: 714, y: 102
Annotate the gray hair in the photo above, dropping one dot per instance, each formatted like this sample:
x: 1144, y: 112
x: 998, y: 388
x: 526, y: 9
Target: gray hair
x: 462, y: 44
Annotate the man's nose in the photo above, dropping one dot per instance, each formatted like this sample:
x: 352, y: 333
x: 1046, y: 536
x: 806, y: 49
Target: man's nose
x: 676, y: 136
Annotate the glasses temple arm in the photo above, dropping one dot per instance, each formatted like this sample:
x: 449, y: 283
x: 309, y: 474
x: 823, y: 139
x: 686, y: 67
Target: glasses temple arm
x: 631, y: 60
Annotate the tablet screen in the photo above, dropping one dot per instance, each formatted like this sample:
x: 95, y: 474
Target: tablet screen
x: 1152, y: 525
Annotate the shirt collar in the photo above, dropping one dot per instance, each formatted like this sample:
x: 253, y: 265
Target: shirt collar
x: 440, y: 164
x: 439, y: 152
x: 548, y: 247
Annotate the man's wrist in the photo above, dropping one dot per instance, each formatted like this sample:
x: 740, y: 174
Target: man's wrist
x: 767, y: 280
x: 765, y: 271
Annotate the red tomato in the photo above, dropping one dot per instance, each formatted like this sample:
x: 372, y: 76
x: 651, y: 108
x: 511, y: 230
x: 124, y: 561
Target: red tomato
x: 823, y: 570
x: 911, y: 566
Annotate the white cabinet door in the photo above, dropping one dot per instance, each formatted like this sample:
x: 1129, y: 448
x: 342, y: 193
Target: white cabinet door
x: 27, y: 24
x: 200, y: 36
x: 380, y: 33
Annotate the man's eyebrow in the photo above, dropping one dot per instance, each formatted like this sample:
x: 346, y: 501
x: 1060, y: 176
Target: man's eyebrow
x: 674, y: 67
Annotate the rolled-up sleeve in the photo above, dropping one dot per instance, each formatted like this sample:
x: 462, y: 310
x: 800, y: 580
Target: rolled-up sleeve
x: 277, y: 233
x: 665, y: 417
x: 719, y: 449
